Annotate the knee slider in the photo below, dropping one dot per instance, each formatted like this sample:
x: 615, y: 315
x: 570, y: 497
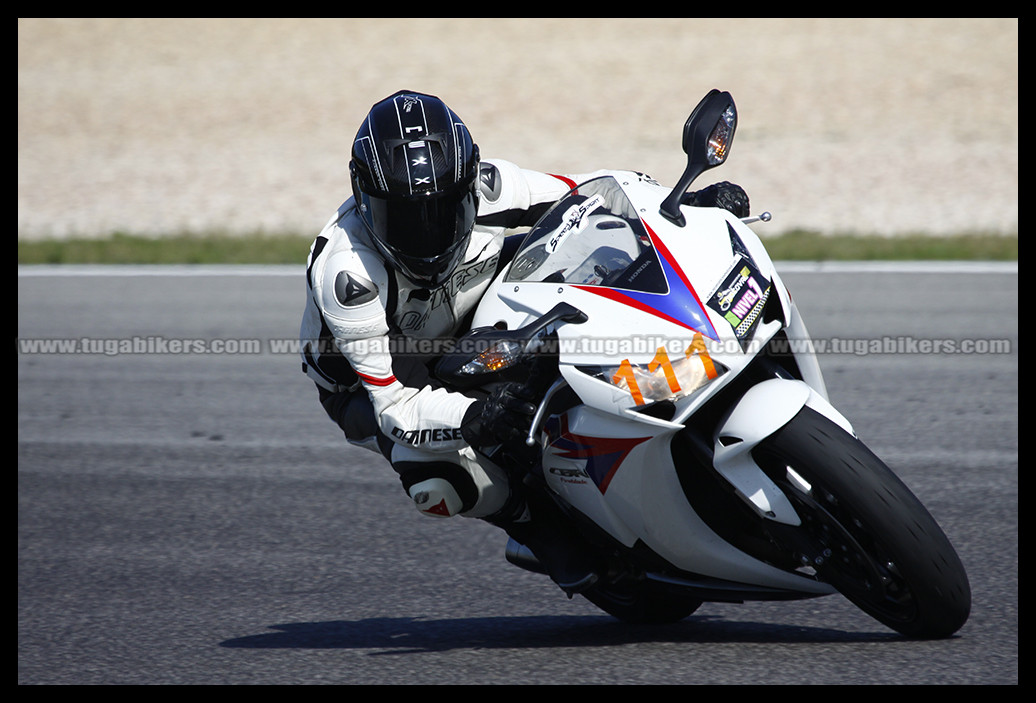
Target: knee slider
x: 438, y: 488
x: 436, y: 497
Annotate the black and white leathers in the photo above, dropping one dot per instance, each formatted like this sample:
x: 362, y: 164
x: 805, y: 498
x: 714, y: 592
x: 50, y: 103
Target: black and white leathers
x: 365, y: 326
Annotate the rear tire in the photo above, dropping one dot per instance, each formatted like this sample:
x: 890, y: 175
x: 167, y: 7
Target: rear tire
x: 875, y: 541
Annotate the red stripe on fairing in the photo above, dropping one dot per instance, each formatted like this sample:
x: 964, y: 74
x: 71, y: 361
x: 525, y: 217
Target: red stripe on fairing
x: 604, y: 455
x: 376, y: 381
x: 635, y: 301
x: 567, y: 181
x: 672, y: 262
x: 620, y: 297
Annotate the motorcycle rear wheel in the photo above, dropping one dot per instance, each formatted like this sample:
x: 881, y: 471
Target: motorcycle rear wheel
x: 864, y: 531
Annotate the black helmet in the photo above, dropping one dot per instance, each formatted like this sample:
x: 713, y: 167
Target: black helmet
x: 414, y: 173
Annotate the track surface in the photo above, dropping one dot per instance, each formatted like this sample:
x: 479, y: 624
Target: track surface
x: 195, y: 518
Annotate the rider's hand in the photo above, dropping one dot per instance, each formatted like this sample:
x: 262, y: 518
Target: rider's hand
x: 729, y: 196
x: 505, y: 416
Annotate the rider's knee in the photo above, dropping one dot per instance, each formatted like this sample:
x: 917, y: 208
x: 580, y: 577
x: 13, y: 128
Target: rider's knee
x: 438, y: 488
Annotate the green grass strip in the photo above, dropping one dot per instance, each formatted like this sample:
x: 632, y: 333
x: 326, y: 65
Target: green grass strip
x: 220, y: 248
x: 175, y: 249
x: 813, y: 246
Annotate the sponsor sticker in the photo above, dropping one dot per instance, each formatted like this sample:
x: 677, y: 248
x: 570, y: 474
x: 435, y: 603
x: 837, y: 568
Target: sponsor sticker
x: 741, y: 297
x: 574, y: 220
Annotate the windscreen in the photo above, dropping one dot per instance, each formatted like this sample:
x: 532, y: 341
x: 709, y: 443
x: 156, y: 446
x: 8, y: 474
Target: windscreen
x: 592, y: 237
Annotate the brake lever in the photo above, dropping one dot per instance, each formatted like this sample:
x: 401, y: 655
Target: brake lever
x: 558, y: 384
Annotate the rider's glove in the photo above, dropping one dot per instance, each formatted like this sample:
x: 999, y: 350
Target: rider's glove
x: 729, y: 196
x: 504, y: 417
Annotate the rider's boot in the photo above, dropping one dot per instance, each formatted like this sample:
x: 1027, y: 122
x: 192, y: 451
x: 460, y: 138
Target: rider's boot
x: 537, y: 523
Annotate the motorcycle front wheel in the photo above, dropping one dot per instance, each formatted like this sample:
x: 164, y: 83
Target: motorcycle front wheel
x: 863, y: 531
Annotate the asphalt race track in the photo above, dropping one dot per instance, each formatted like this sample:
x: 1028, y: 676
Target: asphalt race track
x: 192, y: 517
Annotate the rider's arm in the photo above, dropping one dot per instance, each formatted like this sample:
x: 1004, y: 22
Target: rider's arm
x: 407, y: 409
x: 517, y: 197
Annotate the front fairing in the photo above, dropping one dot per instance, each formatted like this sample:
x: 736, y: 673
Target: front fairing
x: 663, y: 303
x: 656, y: 298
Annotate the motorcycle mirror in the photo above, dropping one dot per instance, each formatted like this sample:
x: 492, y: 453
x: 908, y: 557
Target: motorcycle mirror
x: 707, y: 136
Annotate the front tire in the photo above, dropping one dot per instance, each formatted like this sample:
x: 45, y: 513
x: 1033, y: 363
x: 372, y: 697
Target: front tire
x: 863, y: 530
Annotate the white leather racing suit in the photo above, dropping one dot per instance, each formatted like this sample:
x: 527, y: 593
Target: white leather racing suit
x: 368, y: 328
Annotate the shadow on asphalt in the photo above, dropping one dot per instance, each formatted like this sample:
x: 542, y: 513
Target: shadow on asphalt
x: 408, y: 635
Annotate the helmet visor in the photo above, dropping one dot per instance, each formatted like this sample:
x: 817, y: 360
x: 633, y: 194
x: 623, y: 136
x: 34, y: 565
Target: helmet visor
x: 424, y: 235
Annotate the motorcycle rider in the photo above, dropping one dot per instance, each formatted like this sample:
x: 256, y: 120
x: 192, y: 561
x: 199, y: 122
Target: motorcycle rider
x: 396, y: 272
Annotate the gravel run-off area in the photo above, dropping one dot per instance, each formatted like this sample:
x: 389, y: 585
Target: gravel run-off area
x: 160, y: 126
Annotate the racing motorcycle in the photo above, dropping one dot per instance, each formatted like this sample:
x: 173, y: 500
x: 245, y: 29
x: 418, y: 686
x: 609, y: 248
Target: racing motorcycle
x: 683, y: 425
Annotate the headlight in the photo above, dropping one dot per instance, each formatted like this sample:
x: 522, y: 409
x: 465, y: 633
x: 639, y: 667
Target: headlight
x: 663, y: 378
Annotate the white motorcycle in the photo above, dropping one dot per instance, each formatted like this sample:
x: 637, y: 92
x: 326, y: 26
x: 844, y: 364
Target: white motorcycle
x: 684, y: 426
